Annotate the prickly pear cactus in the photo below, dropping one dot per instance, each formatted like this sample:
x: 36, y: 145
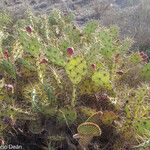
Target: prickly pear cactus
x: 135, y: 58
x: 26, y: 68
x: 76, y: 69
x: 145, y: 72
x: 86, y: 132
x: 9, y: 68
x: 88, y: 87
x: 87, y: 111
x: 55, y: 56
x: 95, y: 118
x: 89, y: 128
x: 30, y: 43
x: 114, y: 32
x: 90, y: 28
x: 66, y: 115
x: 102, y: 78
x: 108, y: 117
x: 143, y: 127
x: 108, y: 47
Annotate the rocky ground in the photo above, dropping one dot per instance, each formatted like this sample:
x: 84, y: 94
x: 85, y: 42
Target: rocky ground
x: 132, y: 16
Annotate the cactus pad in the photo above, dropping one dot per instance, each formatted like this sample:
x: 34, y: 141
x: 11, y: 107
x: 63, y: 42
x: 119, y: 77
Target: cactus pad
x: 66, y: 115
x: 30, y: 44
x: 9, y: 68
x: 88, y: 87
x: 87, y: 111
x: 135, y: 58
x: 145, y: 72
x: 143, y: 126
x: 108, y: 48
x: 55, y: 56
x: 95, y: 118
x: 108, y: 117
x: 90, y: 28
x: 89, y: 129
x: 76, y: 69
x: 102, y: 78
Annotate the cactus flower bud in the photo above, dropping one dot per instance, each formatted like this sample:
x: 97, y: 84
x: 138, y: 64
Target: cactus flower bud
x: 93, y: 66
x: 142, y: 53
x: 144, y: 57
x: 29, y: 29
x: 70, y: 51
x: 43, y: 61
x: 6, y: 54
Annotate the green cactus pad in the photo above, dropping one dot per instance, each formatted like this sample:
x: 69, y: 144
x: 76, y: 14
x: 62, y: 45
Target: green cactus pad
x: 55, y: 56
x: 73, y: 34
x: 102, y: 78
x: 107, y: 44
x: 26, y: 64
x: 145, y: 72
x: 135, y: 58
x: 68, y: 18
x: 90, y: 27
x: 88, y: 87
x: 108, y: 117
x: 95, y: 118
x: 36, y: 126
x: 8, y: 42
x: 9, y: 68
x: 30, y: 44
x: 66, y: 115
x: 143, y: 126
x: 89, y: 129
x: 87, y: 111
x: 114, y: 31
x: 76, y: 69
x: 54, y: 18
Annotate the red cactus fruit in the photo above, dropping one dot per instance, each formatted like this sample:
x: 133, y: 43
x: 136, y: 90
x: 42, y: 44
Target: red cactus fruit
x: 29, y: 29
x: 93, y: 66
x: 2, y: 142
x: 142, y: 53
x: 43, y: 61
x: 6, y: 54
x: 70, y: 51
x: 144, y: 57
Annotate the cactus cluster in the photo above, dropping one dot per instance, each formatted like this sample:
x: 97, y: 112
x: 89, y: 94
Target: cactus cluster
x: 51, y: 71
